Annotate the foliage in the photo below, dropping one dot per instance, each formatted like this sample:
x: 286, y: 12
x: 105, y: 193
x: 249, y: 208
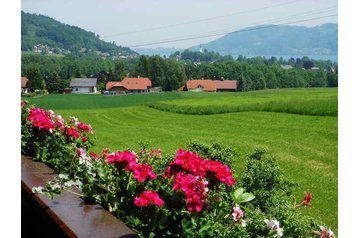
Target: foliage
x: 48, y: 138
x: 40, y: 29
x: 170, y: 74
x: 36, y: 82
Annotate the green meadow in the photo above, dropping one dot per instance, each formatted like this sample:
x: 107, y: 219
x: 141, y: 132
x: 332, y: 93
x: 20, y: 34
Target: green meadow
x: 298, y: 126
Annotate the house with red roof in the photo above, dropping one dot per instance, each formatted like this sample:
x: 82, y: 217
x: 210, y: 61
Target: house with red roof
x: 200, y: 85
x: 129, y: 85
x: 209, y: 85
x: 226, y: 85
x: 24, y: 85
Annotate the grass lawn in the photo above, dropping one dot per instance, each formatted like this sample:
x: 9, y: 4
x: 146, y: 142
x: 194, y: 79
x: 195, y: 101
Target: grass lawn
x: 305, y: 145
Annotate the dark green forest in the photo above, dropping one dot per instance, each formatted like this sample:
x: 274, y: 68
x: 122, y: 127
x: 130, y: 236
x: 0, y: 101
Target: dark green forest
x: 171, y: 73
x: 38, y: 29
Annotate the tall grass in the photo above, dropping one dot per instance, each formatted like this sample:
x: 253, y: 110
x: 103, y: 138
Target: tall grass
x: 305, y: 102
x: 317, y: 107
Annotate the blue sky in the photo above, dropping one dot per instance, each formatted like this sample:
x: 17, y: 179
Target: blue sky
x: 131, y: 22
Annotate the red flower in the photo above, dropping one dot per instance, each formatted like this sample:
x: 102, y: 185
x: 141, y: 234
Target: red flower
x: 84, y: 139
x: 222, y: 172
x: 186, y: 161
x: 143, y: 172
x: 93, y: 155
x: 84, y: 127
x: 41, y: 119
x: 71, y: 131
x: 22, y: 103
x: 195, y: 190
x: 147, y: 198
x: 307, y: 199
x: 122, y: 160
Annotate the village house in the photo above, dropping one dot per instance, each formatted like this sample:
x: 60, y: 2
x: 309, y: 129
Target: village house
x: 208, y: 85
x: 200, y: 85
x: 129, y: 85
x: 83, y: 85
x: 226, y: 85
x: 24, y: 85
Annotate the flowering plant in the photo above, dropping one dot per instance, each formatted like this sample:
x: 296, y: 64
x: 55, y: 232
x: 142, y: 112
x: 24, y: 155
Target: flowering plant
x: 191, y: 194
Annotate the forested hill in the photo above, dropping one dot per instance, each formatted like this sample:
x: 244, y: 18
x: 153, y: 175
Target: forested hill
x: 44, y: 34
x: 284, y: 40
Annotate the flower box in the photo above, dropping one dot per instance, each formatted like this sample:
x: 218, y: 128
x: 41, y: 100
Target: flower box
x: 66, y: 215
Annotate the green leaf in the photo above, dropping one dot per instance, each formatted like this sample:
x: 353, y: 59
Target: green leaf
x: 237, y: 193
x: 245, y: 197
x: 204, y: 228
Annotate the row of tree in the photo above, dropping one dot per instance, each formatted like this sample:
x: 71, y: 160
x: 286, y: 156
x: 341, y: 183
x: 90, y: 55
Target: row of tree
x: 54, y: 72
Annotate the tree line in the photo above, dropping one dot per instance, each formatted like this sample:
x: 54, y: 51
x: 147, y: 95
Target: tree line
x: 54, y: 72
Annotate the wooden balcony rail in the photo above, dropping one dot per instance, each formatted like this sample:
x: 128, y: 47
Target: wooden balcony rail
x: 66, y: 215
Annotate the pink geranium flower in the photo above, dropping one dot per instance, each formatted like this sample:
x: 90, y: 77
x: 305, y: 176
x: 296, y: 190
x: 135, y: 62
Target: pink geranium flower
x: 93, y: 155
x: 142, y: 172
x: 122, y: 160
x: 84, y: 127
x: 72, y: 132
x: 147, y: 198
x: 237, y: 213
x: 41, y: 119
x: 194, y: 188
x: 221, y: 172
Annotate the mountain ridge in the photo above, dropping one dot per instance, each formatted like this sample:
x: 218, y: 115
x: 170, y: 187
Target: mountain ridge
x: 278, y: 40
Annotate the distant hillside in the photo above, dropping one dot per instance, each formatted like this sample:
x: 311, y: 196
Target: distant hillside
x: 157, y: 51
x: 316, y: 42
x: 43, y: 34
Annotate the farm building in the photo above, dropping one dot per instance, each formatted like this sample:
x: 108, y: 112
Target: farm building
x: 208, y: 85
x: 226, y: 85
x: 24, y: 85
x: 200, y: 85
x: 129, y: 85
x: 84, y: 85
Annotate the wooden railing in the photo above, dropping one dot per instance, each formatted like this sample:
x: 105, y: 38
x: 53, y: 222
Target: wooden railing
x: 66, y: 215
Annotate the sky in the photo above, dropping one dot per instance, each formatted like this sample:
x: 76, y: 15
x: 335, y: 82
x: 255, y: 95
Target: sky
x: 140, y: 23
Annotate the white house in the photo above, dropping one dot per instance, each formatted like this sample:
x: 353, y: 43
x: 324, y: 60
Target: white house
x: 84, y: 85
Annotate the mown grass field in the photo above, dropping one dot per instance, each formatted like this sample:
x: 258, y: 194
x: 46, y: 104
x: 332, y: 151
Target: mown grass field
x: 305, y: 140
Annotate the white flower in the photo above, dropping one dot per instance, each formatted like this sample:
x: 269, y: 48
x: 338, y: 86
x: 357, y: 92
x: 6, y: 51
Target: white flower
x: 326, y: 233
x: 237, y: 213
x: 74, y: 120
x: 274, y: 225
x: 52, y: 113
x: 243, y: 223
x: 37, y: 189
x: 279, y: 232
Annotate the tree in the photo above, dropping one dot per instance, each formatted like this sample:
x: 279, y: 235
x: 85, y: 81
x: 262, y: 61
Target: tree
x: 332, y: 80
x: 35, y: 79
x: 307, y: 64
x: 142, y: 67
x: 54, y: 84
x: 241, y: 85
